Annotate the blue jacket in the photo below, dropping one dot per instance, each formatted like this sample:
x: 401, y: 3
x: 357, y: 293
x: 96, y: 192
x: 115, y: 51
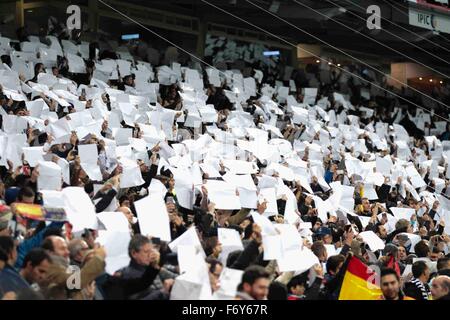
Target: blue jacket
x: 328, y: 176
x: 11, y: 280
x: 33, y: 242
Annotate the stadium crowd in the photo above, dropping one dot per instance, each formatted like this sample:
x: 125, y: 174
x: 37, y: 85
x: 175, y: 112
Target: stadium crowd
x: 247, y: 183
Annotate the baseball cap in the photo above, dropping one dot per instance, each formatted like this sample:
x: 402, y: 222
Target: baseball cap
x: 323, y: 231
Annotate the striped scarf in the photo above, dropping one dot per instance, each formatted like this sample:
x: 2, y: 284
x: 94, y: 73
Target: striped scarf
x: 422, y: 287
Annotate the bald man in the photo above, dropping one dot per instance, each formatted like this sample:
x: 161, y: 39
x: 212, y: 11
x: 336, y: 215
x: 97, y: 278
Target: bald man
x: 440, y: 288
x: 58, y: 247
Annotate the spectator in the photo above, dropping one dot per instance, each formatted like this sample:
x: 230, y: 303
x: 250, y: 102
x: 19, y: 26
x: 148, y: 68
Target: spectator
x: 254, y: 284
x: 440, y: 288
x: 418, y: 288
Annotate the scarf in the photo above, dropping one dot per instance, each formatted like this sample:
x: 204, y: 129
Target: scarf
x: 422, y: 287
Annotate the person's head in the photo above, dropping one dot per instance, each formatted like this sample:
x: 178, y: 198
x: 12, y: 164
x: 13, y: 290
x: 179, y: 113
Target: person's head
x: 124, y: 201
x: 170, y: 183
x: 421, y: 271
x: 6, y: 59
x: 436, y: 203
x: 3, y: 99
x: 212, y: 245
x: 255, y: 282
x: 422, y: 249
x: 319, y: 250
x: 26, y: 195
x: 333, y: 167
x: 334, y: 264
x: 20, y: 111
x: 35, y: 266
x: 277, y: 291
x: 245, y: 223
x: 380, y: 231
x: 390, y: 284
x: 8, y: 246
x: 89, y: 236
x: 443, y: 264
x: 58, y: 246
x: 402, y: 253
x: 215, y: 268
x: 55, y: 71
x: 78, y: 249
x: 390, y: 250
x: 297, y: 285
x: 365, y: 204
x: 128, y: 80
x: 127, y: 213
x: 440, y: 287
x: 140, y: 250
x: 324, y: 234
x: 39, y: 68
x: 404, y: 225
x: 90, y: 66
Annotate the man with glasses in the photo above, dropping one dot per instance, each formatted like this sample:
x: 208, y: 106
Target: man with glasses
x: 143, y: 252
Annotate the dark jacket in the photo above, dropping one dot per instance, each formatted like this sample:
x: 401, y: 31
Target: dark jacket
x: 249, y: 255
x: 313, y: 292
x: 119, y: 288
x: 152, y: 292
x: 106, y: 199
x: 416, y: 290
x: 11, y: 280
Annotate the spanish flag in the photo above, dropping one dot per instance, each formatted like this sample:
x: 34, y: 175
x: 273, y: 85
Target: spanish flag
x: 358, y: 282
x: 30, y: 211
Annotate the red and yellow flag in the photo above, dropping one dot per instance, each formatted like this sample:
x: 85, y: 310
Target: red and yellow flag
x: 30, y: 211
x: 357, y: 284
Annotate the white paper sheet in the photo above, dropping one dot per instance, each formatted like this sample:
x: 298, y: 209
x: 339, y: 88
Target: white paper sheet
x: 402, y: 213
x: 131, y: 176
x: 298, y: 261
x: 153, y: 217
x: 80, y: 209
x: 49, y: 176
x: 33, y: 155
x: 88, y: 153
x: 116, y: 239
x: 223, y: 195
x: 374, y: 242
x: 189, y: 237
x: 248, y: 199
